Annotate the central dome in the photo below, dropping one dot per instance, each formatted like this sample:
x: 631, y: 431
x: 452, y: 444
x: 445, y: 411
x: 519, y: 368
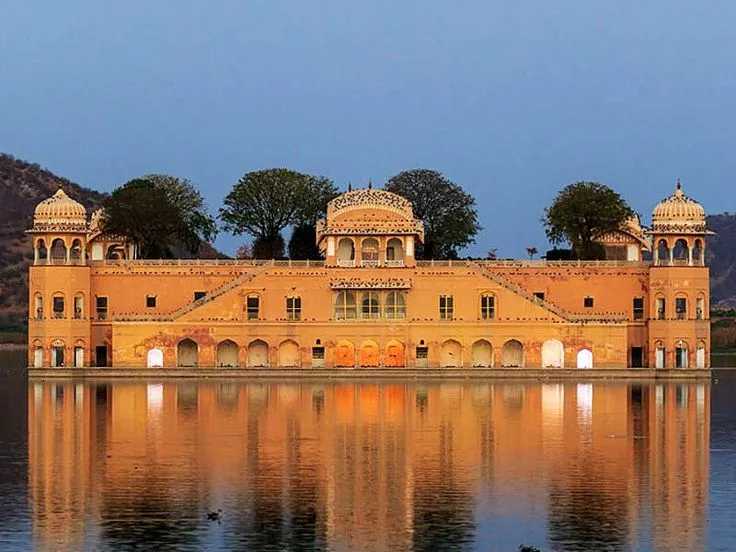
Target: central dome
x: 678, y: 213
x: 60, y: 211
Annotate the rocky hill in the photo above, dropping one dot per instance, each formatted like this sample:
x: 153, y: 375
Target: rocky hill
x: 22, y: 186
x: 721, y: 252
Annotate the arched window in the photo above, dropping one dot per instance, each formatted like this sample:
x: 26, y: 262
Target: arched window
x: 370, y: 307
x: 78, y: 306
x: 345, y: 306
x: 58, y: 251
x: 661, y: 308
x: 663, y: 253
x: 681, y: 252
x: 369, y: 252
x: 395, y: 306
x: 394, y: 252
x: 700, y: 308
x: 345, y: 252
x: 698, y: 253
x: 681, y: 354
x: 43, y: 253
x: 76, y: 253
x: 487, y: 306
x: 681, y: 307
x: 38, y: 306
x: 58, y: 306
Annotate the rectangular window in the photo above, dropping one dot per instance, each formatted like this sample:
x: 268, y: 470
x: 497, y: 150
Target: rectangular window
x: 101, y: 306
x: 253, y: 306
x: 370, y: 307
x: 58, y: 307
x: 151, y: 301
x: 199, y: 294
x: 447, y: 307
x: 588, y: 302
x: 78, y: 307
x: 488, y: 307
x: 539, y: 295
x: 293, y: 308
x: 660, y: 308
x: 699, y: 307
x: 638, y: 308
x: 681, y: 308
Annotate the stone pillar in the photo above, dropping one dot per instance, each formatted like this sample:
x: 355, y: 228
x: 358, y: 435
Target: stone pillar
x: 656, y: 256
x: 35, y: 253
x: 671, y: 251
x: 690, y: 255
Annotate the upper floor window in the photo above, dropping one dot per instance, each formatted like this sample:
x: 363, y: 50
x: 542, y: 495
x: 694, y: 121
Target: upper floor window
x: 199, y: 295
x: 345, y: 306
x: 488, y: 307
x: 101, y: 308
x: 150, y: 301
x: 38, y: 306
x: 78, y: 307
x: 539, y: 295
x: 369, y: 252
x: 252, y: 307
x: 588, y: 302
x: 638, y: 308
x: 293, y: 308
x: 699, y: 308
x: 395, y: 306
x: 660, y: 308
x: 370, y: 306
x: 447, y: 307
x: 681, y: 308
x: 58, y: 306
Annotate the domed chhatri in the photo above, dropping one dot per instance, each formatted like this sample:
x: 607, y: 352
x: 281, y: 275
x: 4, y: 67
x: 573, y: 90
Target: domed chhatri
x: 60, y: 211
x: 679, y: 214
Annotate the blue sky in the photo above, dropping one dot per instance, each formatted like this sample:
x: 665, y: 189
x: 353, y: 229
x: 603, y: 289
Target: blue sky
x: 511, y: 100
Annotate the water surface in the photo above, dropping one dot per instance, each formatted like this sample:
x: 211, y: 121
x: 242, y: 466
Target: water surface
x: 367, y: 466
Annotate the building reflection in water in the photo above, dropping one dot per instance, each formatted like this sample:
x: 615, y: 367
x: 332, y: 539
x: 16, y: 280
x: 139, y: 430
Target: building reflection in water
x: 400, y: 466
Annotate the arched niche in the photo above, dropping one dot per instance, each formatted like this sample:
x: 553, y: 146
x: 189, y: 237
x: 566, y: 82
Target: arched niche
x: 394, y: 252
x: 289, y: 354
x: 58, y: 251
x: 187, y: 354
x: 155, y: 358
x: 369, y: 252
x: 227, y: 354
x: 451, y: 354
x: 585, y: 358
x: 663, y: 252
x: 258, y: 354
x: 553, y: 354
x: 512, y: 354
x: 345, y: 252
x: 76, y: 253
x: 680, y: 252
x: 482, y: 354
x: 344, y: 354
x: 370, y: 354
x: 394, y: 356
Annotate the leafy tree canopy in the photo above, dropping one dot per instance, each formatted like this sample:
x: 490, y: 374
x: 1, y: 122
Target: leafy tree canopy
x: 582, y: 212
x: 156, y: 213
x: 263, y: 203
x: 449, y: 213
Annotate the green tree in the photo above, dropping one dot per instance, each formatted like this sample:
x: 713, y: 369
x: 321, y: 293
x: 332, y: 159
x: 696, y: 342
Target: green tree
x: 582, y: 212
x: 263, y: 203
x: 449, y: 213
x: 158, y: 213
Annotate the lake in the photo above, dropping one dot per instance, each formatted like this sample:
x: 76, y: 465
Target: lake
x: 341, y: 465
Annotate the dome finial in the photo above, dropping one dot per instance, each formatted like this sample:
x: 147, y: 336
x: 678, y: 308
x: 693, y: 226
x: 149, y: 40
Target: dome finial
x: 370, y: 184
x: 678, y: 189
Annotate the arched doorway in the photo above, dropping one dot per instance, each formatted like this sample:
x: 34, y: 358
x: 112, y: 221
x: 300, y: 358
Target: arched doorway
x: 155, y: 358
x: 394, y: 355
x: 482, y: 354
x: 289, y: 355
x: 79, y: 353
x: 585, y: 358
x: 37, y: 354
x: 659, y: 355
x: 513, y: 354
x: 258, y: 354
x: 394, y: 252
x: 187, y: 354
x: 344, y: 354
x: 700, y: 355
x: 370, y: 354
x: 345, y: 252
x: 553, y: 354
x: 227, y: 354
x: 369, y: 252
x: 451, y: 354
x: 58, y: 251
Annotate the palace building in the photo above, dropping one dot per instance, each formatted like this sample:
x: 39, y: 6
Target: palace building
x: 370, y: 303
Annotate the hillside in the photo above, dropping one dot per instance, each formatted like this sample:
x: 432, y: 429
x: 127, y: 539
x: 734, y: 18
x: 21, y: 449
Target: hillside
x: 721, y: 253
x: 22, y: 186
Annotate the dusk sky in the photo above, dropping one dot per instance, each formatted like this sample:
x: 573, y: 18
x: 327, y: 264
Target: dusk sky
x: 511, y: 100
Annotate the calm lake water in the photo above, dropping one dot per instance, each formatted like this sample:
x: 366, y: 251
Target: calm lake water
x: 366, y: 466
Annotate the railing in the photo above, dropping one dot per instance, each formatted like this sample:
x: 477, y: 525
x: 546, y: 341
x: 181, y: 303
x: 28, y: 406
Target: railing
x: 370, y: 263
x: 395, y: 263
x: 513, y: 263
x: 346, y: 263
x: 205, y: 262
x: 58, y: 315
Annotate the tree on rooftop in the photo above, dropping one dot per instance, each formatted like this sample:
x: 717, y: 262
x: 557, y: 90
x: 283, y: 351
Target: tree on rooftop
x: 582, y: 212
x: 448, y: 212
x: 157, y: 213
x: 263, y: 203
